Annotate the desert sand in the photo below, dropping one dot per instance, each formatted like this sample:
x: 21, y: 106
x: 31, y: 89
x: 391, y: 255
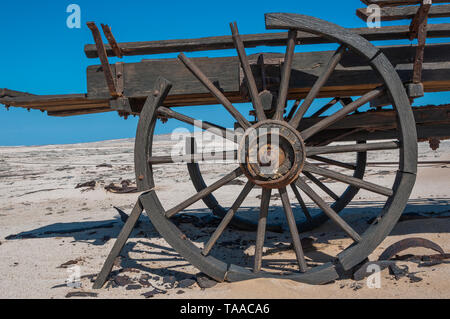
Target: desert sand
x: 48, y: 226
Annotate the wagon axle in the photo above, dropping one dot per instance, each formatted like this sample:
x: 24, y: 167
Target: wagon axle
x: 272, y: 154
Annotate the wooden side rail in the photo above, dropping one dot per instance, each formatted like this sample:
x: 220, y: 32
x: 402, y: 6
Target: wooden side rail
x: 254, y: 40
x: 55, y: 105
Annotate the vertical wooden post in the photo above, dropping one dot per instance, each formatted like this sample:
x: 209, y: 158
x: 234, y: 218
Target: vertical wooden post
x: 418, y: 29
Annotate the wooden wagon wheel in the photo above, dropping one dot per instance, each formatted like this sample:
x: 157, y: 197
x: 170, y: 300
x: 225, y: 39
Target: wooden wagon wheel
x: 292, y: 158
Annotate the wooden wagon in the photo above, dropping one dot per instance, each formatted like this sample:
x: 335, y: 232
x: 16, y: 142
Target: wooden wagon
x: 281, y: 88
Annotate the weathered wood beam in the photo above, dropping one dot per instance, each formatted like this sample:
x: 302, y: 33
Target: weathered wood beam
x: 386, y: 118
x: 79, y: 112
x: 69, y: 107
x: 431, y: 121
x: 405, y: 13
x: 39, y: 100
x: 253, y: 40
x: 424, y: 131
x: 7, y: 93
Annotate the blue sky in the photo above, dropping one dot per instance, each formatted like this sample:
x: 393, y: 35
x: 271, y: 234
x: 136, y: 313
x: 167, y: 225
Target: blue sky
x: 41, y: 55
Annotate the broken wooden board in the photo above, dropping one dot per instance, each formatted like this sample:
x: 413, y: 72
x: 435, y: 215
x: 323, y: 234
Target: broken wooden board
x: 55, y: 105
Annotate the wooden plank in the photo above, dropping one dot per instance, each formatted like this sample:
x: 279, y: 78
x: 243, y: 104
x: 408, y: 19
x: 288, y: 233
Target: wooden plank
x: 66, y: 104
x: 254, y: 40
x: 385, y: 118
x: 139, y: 78
x: 424, y: 132
x: 68, y: 107
x: 39, y: 99
x: 404, y: 13
x: 386, y: 3
x: 58, y: 105
x: 79, y: 112
x: 352, y: 77
x: 4, y: 93
x: 431, y: 121
x: 75, y: 107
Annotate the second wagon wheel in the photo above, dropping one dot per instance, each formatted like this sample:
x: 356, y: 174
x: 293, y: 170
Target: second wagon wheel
x: 295, y: 164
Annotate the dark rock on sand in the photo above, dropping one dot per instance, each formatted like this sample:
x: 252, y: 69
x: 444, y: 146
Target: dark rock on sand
x: 205, y: 282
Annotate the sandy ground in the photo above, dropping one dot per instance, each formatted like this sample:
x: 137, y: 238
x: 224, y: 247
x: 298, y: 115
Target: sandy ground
x: 47, y: 223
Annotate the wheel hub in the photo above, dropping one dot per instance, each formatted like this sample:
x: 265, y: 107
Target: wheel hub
x: 272, y: 154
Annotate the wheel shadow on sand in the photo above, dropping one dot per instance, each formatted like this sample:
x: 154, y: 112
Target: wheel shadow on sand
x: 358, y: 214
x: 237, y: 246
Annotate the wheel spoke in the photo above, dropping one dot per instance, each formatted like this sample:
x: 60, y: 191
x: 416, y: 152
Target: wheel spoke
x: 321, y: 81
x: 293, y: 110
x: 192, y: 158
x: 214, y: 91
x: 348, y: 179
x: 212, y: 128
x: 329, y: 120
x: 205, y: 192
x: 325, y: 108
x: 251, y: 83
x: 321, y: 185
x: 261, y: 232
x: 343, y: 101
x: 333, y: 162
x: 328, y: 210
x: 293, y: 229
x: 311, y: 151
x: 301, y: 202
x: 286, y: 75
x: 227, y: 219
